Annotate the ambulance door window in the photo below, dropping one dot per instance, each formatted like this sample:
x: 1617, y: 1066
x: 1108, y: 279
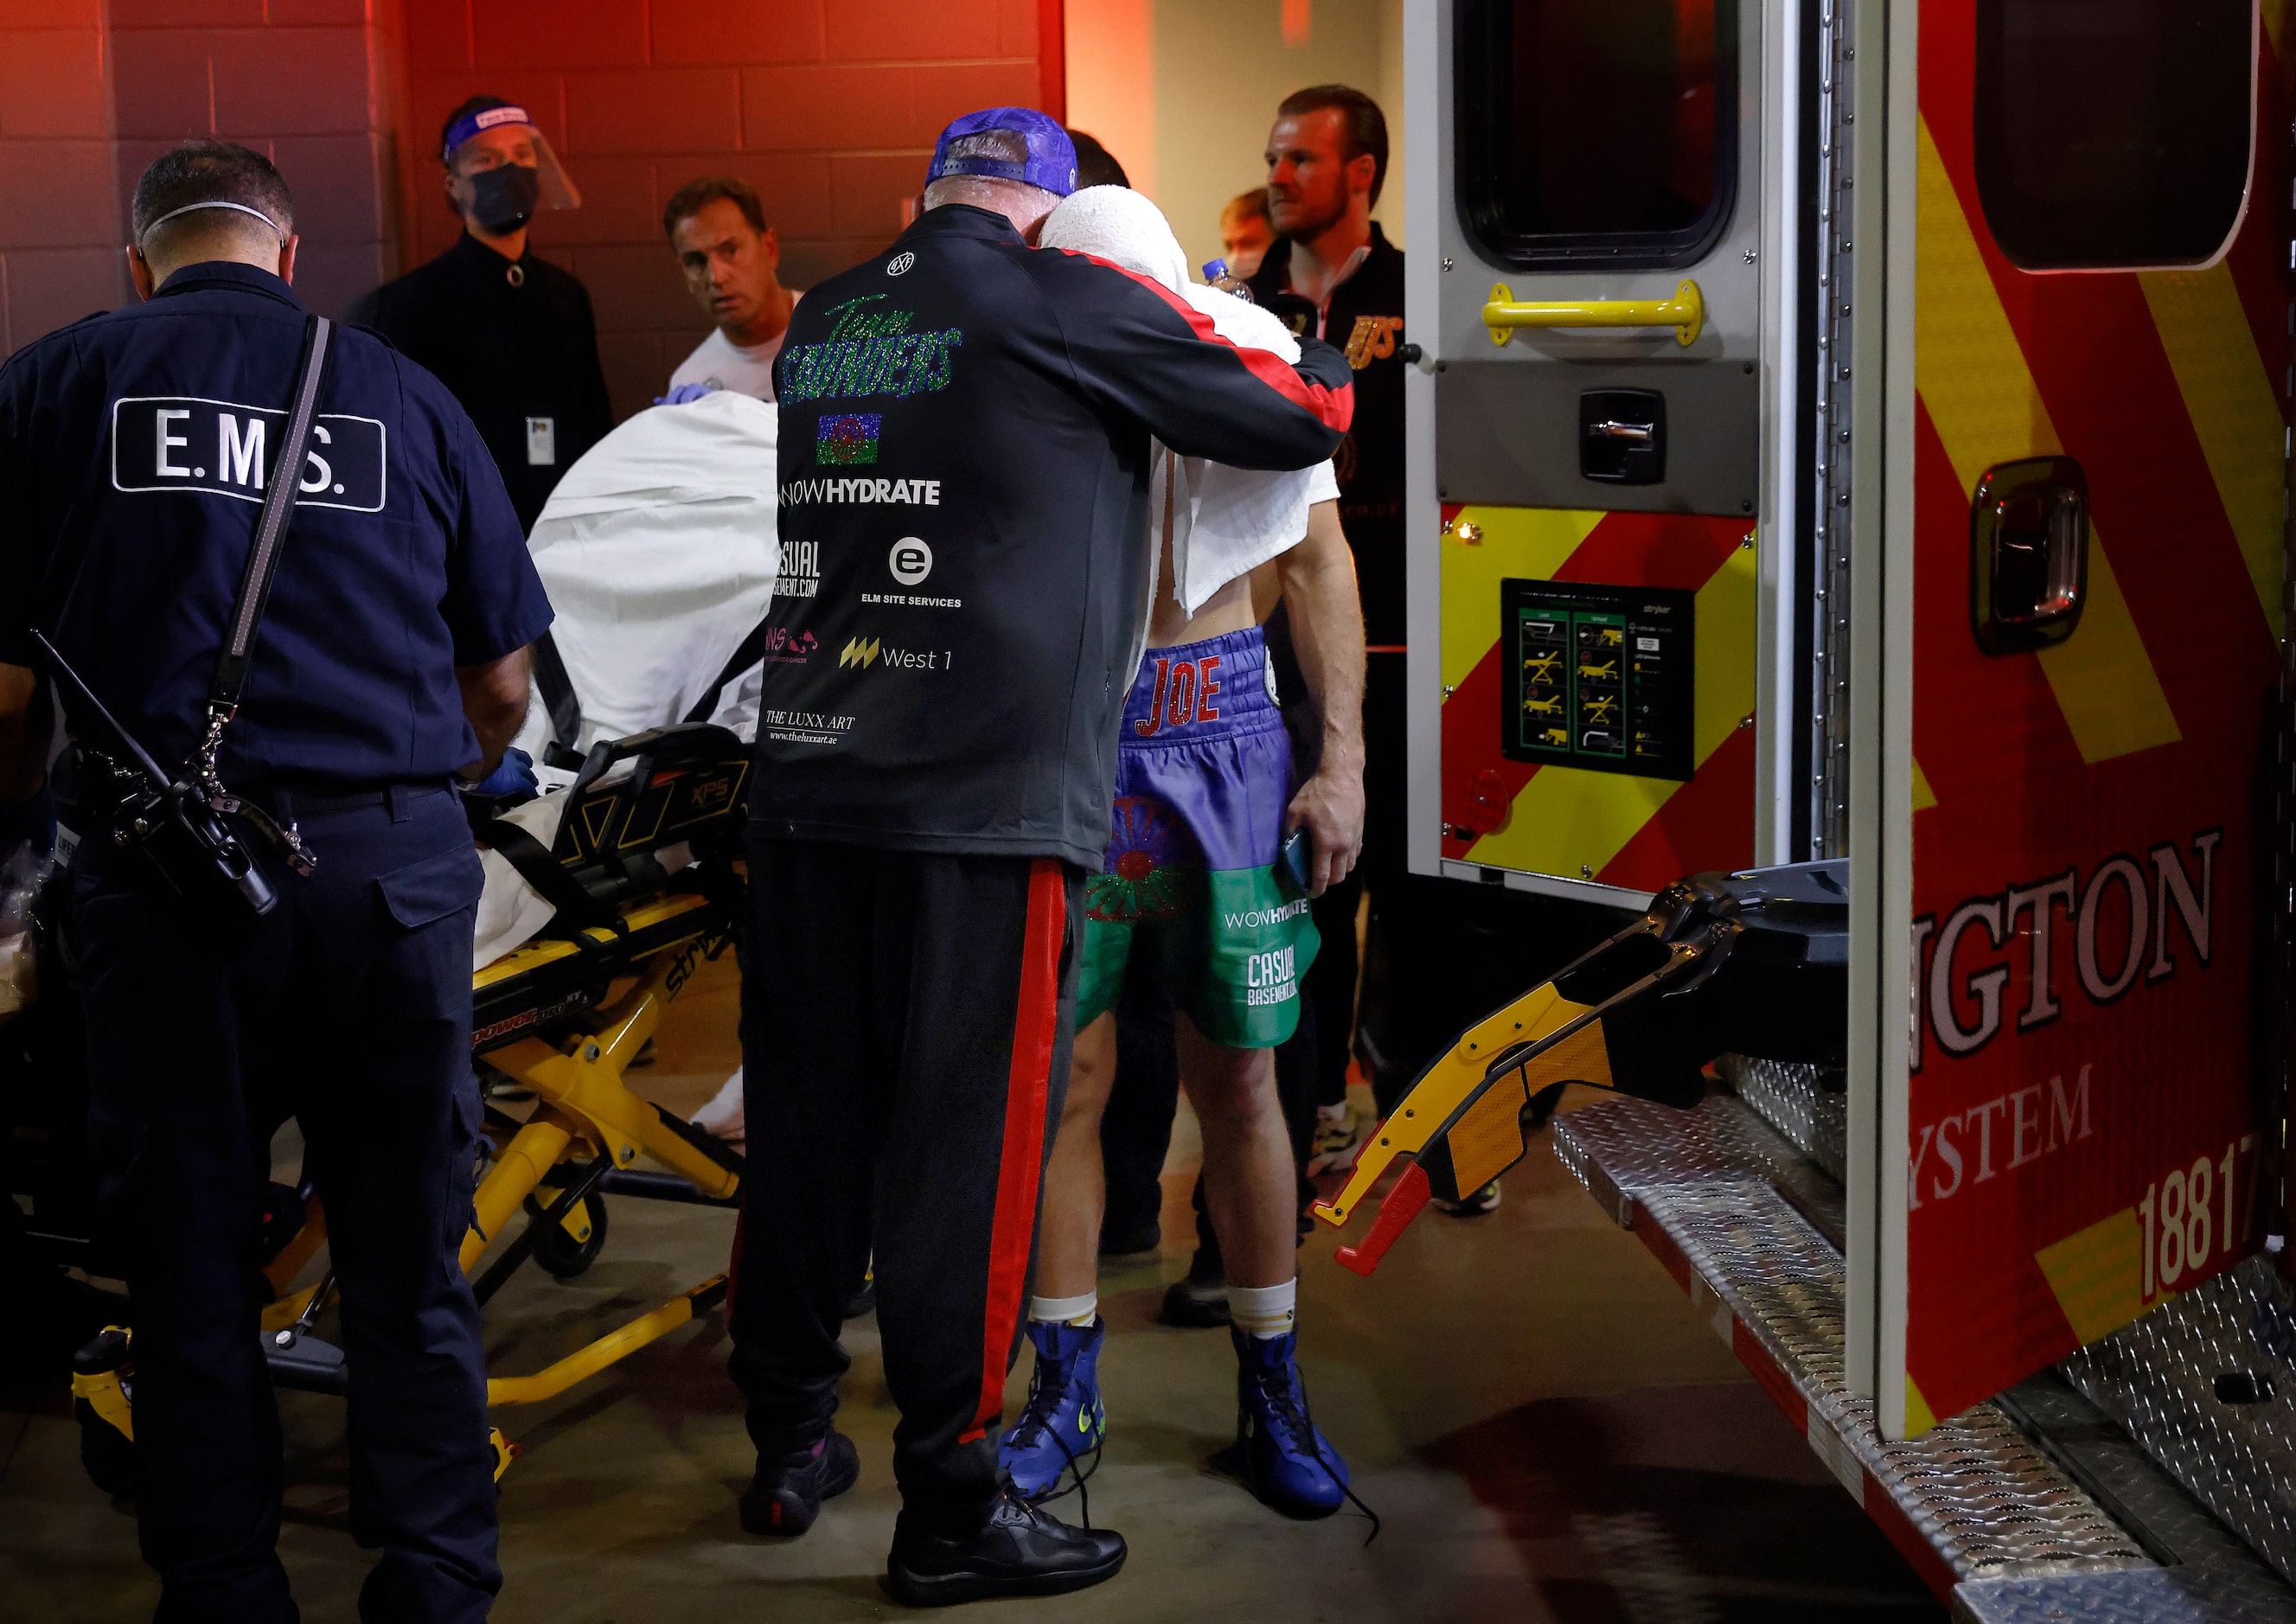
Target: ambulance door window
x: 2112, y: 133
x: 1596, y: 132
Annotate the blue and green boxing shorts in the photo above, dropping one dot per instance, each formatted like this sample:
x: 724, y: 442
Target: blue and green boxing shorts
x: 1203, y: 774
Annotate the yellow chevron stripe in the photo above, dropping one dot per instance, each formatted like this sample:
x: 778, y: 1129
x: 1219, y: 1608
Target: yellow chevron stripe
x: 1517, y: 543
x: 1918, y: 1419
x: 1924, y: 797
x: 2275, y: 21
x: 1971, y: 375
x: 2228, y: 396
x: 2096, y: 1274
x: 1566, y: 818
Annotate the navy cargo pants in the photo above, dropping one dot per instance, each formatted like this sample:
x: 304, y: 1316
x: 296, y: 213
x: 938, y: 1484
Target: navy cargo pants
x: 348, y: 1007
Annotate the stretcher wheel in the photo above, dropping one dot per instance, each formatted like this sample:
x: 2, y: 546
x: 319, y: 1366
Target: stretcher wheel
x: 562, y: 1256
x: 108, y: 1458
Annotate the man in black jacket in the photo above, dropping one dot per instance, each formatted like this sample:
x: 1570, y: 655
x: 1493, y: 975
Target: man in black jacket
x: 964, y: 471
x: 509, y: 334
x: 1332, y: 274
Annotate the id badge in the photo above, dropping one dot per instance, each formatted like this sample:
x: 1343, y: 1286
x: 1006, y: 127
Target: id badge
x: 541, y: 442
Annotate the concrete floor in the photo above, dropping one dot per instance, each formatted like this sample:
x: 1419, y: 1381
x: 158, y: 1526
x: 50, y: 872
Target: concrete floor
x: 1526, y: 1398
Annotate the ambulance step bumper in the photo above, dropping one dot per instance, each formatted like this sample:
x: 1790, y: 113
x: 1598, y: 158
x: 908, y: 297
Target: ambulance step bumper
x: 1750, y: 1227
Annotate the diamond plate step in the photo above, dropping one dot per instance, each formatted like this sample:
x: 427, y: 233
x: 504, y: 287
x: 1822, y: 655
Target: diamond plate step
x: 1973, y: 1498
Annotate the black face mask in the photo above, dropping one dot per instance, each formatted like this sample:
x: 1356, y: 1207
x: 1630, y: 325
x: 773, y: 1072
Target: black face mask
x: 502, y: 199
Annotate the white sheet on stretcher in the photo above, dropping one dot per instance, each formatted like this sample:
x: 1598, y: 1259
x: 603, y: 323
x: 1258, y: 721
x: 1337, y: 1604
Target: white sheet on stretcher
x: 659, y: 552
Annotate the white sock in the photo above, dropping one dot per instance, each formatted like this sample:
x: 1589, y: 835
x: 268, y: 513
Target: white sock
x: 1065, y: 1311
x: 1263, y: 1310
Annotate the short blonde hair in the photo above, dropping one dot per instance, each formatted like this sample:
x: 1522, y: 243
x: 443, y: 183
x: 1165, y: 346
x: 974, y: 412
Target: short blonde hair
x: 1246, y: 205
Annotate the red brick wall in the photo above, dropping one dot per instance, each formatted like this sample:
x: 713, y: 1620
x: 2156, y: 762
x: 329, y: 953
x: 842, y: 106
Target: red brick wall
x: 828, y: 107
x: 59, y: 231
x: 311, y: 84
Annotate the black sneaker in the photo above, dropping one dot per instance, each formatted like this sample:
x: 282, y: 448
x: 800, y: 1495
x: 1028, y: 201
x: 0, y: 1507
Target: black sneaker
x: 1021, y: 1550
x: 786, y: 1496
x: 1200, y: 1302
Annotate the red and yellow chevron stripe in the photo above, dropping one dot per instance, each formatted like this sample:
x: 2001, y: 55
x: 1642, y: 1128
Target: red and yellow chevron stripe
x: 2149, y: 725
x: 1638, y: 833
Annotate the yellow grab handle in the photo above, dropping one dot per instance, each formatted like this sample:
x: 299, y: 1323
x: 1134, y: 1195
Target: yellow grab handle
x: 1686, y: 312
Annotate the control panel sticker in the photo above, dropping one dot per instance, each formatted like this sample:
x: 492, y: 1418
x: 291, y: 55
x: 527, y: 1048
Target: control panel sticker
x: 1599, y: 677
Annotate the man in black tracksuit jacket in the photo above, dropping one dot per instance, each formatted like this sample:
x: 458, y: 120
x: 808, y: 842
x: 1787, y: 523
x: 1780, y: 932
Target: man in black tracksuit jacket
x: 964, y: 468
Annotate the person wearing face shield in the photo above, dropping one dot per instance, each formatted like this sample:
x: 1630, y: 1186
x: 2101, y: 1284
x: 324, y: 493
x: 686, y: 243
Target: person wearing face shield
x: 509, y: 334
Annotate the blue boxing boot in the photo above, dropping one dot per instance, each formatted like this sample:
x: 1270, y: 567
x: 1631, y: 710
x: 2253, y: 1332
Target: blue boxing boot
x: 1279, y: 1454
x: 1064, y: 1423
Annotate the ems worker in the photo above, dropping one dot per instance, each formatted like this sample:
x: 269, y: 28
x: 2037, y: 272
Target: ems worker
x: 509, y: 334
x: 135, y: 452
x: 965, y: 448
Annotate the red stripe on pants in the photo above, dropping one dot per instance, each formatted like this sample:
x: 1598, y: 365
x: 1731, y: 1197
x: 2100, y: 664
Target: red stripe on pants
x: 1021, y: 1168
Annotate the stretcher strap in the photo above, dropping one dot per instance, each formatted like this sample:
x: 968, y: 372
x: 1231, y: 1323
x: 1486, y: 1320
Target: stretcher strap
x: 557, y: 693
x: 752, y: 650
x: 576, y: 907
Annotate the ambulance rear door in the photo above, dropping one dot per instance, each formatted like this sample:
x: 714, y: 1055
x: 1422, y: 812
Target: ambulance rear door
x: 1592, y: 539
x: 2080, y: 568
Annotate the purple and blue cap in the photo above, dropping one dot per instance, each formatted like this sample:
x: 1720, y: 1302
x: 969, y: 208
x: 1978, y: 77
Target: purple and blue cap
x: 1007, y: 143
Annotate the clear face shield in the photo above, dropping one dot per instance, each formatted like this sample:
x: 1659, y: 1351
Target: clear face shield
x: 503, y: 170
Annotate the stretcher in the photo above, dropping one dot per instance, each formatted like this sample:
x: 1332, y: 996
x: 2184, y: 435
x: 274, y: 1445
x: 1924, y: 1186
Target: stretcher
x: 659, y: 552
x: 1753, y: 964
x: 646, y: 882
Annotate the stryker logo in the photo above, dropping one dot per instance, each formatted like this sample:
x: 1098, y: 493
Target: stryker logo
x: 1259, y: 917
x: 801, y: 571
x: 858, y: 655
x: 916, y: 493
x: 182, y: 443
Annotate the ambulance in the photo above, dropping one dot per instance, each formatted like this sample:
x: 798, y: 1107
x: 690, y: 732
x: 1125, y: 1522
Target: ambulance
x: 1855, y: 432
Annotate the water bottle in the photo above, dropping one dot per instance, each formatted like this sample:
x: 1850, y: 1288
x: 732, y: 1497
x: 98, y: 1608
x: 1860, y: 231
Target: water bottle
x: 1215, y: 273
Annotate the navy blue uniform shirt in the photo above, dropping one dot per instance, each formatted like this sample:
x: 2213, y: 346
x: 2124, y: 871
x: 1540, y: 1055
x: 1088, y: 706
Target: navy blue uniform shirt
x: 133, y: 451
x: 964, y: 426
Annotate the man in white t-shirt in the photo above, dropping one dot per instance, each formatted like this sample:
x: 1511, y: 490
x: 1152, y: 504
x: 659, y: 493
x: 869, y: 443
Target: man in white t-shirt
x: 732, y: 261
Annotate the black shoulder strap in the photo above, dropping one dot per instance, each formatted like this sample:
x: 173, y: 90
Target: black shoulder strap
x: 752, y: 650
x: 271, y: 527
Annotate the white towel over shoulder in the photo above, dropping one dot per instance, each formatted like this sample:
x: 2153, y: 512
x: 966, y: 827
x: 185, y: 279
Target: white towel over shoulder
x: 1226, y: 521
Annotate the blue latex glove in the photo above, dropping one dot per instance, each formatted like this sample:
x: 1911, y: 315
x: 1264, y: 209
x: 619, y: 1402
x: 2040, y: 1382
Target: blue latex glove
x: 685, y: 394
x: 515, y: 776
x: 32, y: 819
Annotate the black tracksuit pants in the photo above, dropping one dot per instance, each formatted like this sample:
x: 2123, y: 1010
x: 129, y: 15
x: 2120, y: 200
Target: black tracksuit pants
x: 905, y: 1027
x: 348, y: 1007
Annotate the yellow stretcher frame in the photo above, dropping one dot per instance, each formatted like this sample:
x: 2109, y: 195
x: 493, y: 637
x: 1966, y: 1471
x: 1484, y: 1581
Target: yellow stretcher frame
x: 584, y: 1113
